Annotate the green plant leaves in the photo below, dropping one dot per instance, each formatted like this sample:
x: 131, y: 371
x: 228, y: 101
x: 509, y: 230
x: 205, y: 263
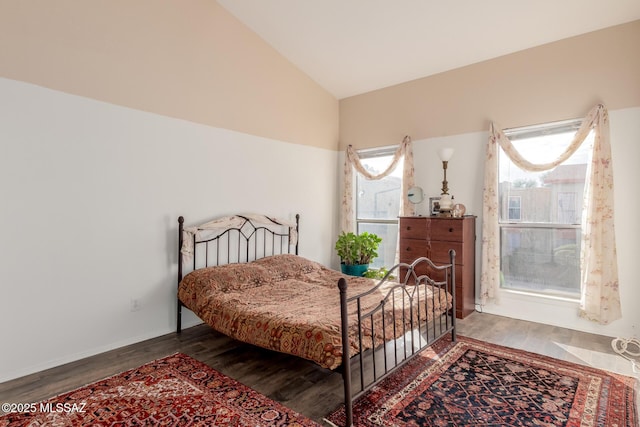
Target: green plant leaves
x: 357, y: 248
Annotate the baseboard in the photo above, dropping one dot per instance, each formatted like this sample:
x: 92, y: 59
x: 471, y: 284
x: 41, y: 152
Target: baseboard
x: 187, y: 323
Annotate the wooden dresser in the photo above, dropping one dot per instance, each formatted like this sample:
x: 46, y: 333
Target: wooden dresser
x: 432, y: 237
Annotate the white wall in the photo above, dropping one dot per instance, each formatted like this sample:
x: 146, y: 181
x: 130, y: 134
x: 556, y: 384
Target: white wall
x: 90, y: 193
x: 465, y: 175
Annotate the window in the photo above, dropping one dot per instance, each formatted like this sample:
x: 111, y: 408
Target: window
x: 378, y: 203
x: 514, y: 208
x: 540, y: 212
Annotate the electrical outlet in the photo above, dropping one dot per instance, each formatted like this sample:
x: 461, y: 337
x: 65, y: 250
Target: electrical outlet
x: 135, y: 304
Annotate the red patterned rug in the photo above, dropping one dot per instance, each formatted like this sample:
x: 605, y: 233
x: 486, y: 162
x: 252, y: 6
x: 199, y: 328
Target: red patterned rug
x: 174, y: 391
x: 473, y: 383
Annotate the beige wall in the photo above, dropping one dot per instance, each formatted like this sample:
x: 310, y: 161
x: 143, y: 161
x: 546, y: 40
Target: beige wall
x: 556, y: 81
x: 195, y: 62
x: 200, y: 64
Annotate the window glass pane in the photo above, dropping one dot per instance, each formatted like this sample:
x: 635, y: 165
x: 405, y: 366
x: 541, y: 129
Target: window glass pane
x: 541, y: 259
x: 387, y: 249
x: 379, y: 199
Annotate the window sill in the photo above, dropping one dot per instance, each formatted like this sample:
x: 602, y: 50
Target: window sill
x: 541, y: 296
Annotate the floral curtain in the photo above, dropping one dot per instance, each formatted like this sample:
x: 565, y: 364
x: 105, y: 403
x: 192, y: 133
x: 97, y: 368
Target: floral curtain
x: 600, y: 299
x: 352, y: 160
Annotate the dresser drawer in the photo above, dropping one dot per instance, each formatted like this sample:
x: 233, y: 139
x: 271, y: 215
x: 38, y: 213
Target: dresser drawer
x: 447, y: 229
x: 413, y: 228
x: 440, y: 252
x: 410, y: 249
x: 439, y: 276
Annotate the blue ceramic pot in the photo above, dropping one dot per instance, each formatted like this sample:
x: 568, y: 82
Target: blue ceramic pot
x: 354, y: 270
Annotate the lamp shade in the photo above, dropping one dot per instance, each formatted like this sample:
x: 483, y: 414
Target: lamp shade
x: 445, y: 153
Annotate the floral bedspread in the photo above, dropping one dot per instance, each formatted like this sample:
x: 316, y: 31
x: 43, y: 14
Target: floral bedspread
x: 288, y: 304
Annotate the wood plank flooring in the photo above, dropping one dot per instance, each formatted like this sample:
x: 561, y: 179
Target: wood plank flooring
x: 296, y: 383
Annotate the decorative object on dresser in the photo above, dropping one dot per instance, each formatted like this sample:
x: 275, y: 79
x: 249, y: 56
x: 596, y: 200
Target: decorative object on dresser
x: 458, y: 210
x: 415, y: 195
x: 434, y: 205
x: 432, y: 237
x: 446, y: 202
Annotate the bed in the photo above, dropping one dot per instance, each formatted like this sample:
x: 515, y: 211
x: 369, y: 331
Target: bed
x: 247, y: 281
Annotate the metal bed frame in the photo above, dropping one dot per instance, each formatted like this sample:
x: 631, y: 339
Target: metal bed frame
x: 250, y: 241
x: 416, y: 335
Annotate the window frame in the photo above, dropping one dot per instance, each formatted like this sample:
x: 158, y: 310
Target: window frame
x: 506, y: 223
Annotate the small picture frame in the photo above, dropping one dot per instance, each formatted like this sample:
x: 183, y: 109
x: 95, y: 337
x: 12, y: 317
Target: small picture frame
x: 434, y: 205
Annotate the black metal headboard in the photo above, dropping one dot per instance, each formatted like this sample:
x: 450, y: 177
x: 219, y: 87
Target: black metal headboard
x: 247, y: 241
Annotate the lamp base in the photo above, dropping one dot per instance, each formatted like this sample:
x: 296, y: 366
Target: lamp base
x: 446, y: 203
x: 445, y: 214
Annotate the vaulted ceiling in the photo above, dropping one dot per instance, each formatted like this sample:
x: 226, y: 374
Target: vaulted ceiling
x: 355, y: 46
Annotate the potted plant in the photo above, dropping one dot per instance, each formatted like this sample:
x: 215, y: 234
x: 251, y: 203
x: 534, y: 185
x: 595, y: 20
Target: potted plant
x: 356, y: 251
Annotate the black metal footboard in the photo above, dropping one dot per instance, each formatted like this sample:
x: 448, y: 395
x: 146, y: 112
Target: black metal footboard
x: 417, y: 329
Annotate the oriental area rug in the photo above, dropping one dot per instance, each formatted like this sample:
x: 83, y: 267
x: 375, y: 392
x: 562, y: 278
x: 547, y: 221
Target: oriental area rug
x: 174, y: 391
x: 473, y: 383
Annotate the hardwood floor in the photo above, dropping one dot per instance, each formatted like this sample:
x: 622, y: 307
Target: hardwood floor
x: 296, y: 383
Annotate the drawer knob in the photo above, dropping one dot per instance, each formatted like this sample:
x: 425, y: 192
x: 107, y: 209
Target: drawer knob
x: 408, y: 228
x: 451, y: 230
